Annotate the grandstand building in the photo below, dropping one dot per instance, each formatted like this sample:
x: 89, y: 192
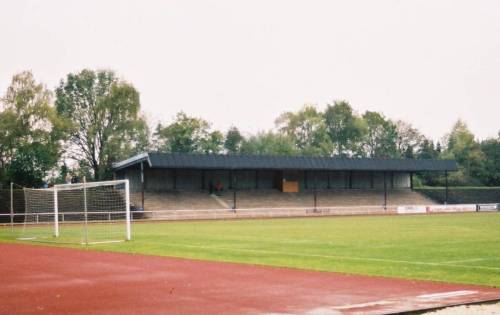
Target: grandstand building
x: 172, y: 176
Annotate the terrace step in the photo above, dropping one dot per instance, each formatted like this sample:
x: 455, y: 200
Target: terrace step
x: 272, y: 198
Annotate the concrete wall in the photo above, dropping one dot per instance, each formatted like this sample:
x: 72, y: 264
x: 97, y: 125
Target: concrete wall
x: 378, y: 180
x: 401, y: 180
x: 188, y: 179
x: 133, y: 176
x: 266, y: 179
x: 166, y: 179
x: 361, y: 180
x: 339, y: 180
x: 158, y: 179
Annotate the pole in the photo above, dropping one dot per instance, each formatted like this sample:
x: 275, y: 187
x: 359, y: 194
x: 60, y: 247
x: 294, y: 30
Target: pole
x: 25, y: 208
x: 234, y: 199
x: 12, y: 206
x: 142, y: 185
x: 56, y: 213
x: 127, y: 210
x: 86, y: 232
x: 315, y: 201
x: 315, y: 193
x: 234, y: 192
x: 446, y: 187
x: 385, y: 191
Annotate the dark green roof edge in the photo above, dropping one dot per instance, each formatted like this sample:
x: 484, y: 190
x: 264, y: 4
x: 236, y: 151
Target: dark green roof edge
x: 261, y: 162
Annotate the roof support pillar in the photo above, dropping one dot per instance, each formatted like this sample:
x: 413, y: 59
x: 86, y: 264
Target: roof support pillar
x: 385, y: 190
x: 411, y: 180
x: 329, y: 186
x: 234, y: 184
x: 371, y: 180
x: 142, y: 185
x: 256, y: 179
x: 315, y: 192
x: 350, y: 179
x: 445, y: 187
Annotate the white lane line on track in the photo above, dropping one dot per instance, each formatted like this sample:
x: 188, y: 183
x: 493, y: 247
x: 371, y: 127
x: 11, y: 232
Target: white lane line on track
x: 262, y: 251
x: 445, y: 295
x: 362, y: 305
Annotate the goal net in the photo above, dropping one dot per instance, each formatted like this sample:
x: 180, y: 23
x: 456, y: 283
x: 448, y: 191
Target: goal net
x: 85, y: 213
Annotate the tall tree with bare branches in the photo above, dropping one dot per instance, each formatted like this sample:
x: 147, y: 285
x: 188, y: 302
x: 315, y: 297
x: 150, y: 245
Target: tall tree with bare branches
x: 104, y: 116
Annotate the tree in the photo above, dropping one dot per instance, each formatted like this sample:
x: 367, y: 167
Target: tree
x: 381, y: 136
x: 104, y: 119
x: 269, y: 143
x: 233, y: 140
x: 188, y: 135
x: 344, y: 127
x: 490, y: 172
x: 427, y: 150
x: 30, y: 131
x: 408, y: 139
x: 438, y: 148
x: 8, y: 137
x: 307, y: 129
x: 462, y: 146
x: 213, y: 143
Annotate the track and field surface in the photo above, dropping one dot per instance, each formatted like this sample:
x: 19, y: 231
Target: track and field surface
x: 458, y: 248
x: 50, y: 280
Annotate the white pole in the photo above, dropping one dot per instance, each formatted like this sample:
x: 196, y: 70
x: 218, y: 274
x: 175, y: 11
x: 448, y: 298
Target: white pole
x: 127, y: 209
x: 25, y: 208
x: 85, y: 210
x: 12, y: 206
x: 56, y: 213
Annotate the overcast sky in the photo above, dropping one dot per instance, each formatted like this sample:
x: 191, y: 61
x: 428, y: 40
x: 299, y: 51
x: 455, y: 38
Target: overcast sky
x: 243, y: 63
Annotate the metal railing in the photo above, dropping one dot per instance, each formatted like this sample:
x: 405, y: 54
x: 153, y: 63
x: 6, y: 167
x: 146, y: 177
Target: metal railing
x: 248, y: 213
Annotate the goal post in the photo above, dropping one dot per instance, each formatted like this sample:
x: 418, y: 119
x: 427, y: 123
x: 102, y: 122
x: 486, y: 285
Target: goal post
x: 85, y: 213
x: 127, y: 211
x: 56, y: 214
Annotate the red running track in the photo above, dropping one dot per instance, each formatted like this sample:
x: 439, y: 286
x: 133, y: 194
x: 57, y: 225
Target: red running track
x: 49, y: 280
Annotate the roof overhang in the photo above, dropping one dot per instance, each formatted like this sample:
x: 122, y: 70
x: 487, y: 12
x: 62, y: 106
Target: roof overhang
x: 132, y: 161
x: 257, y: 162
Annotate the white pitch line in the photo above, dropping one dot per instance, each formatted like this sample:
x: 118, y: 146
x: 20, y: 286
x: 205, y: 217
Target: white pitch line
x: 335, y: 257
x: 469, y: 260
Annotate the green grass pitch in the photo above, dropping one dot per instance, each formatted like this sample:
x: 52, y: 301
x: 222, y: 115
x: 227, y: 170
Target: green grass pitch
x: 461, y: 248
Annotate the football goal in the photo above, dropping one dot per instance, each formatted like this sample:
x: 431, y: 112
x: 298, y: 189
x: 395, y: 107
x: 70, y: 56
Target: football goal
x: 85, y: 213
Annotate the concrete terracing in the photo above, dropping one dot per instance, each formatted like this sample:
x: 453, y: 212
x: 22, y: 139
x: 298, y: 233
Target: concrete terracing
x: 175, y: 200
x: 271, y: 198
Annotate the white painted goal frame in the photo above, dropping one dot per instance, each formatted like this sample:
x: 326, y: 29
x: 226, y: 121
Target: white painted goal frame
x: 113, y: 210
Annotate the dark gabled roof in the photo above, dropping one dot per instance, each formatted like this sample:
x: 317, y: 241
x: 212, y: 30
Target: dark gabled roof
x: 262, y: 162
